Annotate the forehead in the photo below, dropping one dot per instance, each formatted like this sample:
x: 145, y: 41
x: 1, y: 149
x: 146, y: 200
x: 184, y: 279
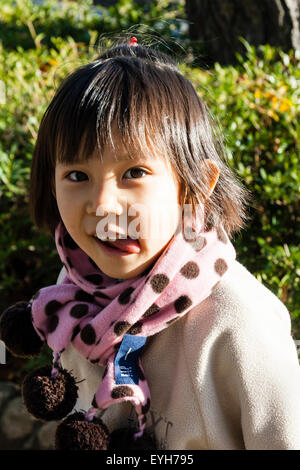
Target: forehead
x: 118, y: 148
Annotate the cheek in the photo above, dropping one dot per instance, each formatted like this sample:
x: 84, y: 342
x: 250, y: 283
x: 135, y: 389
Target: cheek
x: 167, y: 208
x: 63, y: 203
x: 159, y: 219
x: 68, y: 207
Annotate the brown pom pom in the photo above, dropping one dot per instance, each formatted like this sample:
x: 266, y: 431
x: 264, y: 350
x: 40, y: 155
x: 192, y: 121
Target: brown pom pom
x: 17, y: 332
x: 48, y: 398
x: 123, y: 439
x: 74, y: 433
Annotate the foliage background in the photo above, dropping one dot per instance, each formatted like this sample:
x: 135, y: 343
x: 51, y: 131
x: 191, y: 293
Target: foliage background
x: 256, y: 103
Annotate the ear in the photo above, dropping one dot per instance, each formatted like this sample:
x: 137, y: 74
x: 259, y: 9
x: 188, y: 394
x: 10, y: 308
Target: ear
x: 211, y: 173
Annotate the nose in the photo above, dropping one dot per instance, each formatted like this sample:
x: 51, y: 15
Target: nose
x: 104, y: 200
x: 112, y: 206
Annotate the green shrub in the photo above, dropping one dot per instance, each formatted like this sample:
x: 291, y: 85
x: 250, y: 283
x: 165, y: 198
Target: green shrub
x: 31, y: 24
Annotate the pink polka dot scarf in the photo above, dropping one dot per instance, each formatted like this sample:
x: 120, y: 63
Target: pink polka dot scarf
x: 96, y: 313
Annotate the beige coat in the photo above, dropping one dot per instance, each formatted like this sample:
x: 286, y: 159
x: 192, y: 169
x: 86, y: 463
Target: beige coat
x: 225, y: 376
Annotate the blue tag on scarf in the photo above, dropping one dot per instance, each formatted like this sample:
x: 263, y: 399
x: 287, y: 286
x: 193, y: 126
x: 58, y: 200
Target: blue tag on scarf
x: 126, y: 360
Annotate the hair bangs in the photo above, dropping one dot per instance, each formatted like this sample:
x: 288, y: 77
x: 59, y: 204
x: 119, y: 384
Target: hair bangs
x: 99, y: 103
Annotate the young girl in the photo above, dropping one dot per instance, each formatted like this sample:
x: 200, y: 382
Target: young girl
x: 161, y: 340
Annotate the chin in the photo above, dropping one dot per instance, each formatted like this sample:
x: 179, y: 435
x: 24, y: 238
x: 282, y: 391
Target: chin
x: 118, y: 275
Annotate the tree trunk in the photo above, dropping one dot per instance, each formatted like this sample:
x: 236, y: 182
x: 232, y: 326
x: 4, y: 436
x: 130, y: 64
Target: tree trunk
x: 217, y: 24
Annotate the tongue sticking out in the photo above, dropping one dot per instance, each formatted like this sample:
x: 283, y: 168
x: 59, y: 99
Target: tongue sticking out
x: 126, y: 244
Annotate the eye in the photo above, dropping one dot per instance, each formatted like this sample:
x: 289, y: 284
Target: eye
x: 136, y: 171
x: 80, y: 178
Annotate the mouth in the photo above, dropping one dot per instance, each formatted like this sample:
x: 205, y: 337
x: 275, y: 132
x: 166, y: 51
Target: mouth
x: 121, y: 246
x: 105, y: 242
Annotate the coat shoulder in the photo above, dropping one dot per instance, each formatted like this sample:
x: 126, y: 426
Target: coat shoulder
x: 239, y: 299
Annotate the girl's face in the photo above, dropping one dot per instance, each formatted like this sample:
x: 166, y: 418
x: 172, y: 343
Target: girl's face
x: 142, y: 193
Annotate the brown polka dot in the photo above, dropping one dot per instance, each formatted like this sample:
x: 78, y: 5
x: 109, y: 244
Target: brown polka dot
x: 52, y: 307
x: 182, y: 303
x: 76, y: 330
x: 52, y: 323
x: 189, y: 235
x: 159, y: 282
x: 199, y: 244
x: 190, y: 270
x: 69, y: 242
x: 100, y: 294
x: 88, y: 335
x: 124, y: 297
x: 83, y: 296
x: 221, y: 266
x: 151, y: 311
x: 146, y: 407
x: 79, y: 310
x: 221, y: 235
x: 173, y: 320
x: 122, y: 391
x: 135, y: 329
x: 95, y: 279
x: 121, y: 327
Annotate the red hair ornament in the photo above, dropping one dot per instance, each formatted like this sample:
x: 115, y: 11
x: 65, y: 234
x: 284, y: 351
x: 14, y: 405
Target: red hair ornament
x: 133, y: 41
